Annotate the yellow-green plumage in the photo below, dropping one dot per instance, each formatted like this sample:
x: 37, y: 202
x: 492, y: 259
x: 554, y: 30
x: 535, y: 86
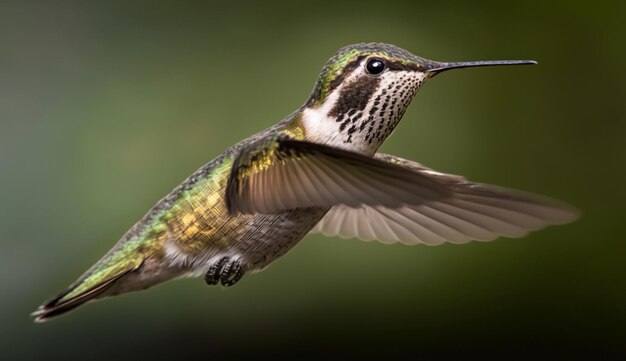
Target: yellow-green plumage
x: 186, y: 229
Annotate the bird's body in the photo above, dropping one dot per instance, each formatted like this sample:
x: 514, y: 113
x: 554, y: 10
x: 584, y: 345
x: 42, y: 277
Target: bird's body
x: 191, y: 228
x: 316, y: 168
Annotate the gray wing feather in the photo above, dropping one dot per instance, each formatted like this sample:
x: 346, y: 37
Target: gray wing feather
x: 473, y: 212
x: 279, y: 173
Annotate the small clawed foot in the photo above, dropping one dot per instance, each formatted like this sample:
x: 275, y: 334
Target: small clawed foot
x: 231, y: 273
x: 225, y: 271
x: 212, y: 276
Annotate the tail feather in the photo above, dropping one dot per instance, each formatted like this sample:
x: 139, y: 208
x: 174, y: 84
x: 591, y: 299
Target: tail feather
x: 118, y: 263
x: 60, y: 304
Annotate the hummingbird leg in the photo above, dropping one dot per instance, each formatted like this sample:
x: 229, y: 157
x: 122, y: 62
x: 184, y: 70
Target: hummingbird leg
x: 212, y: 276
x: 226, y: 271
x: 231, y: 273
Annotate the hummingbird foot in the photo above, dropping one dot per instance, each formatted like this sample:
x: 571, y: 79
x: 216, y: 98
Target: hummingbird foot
x: 212, y: 276
x: 225, y: 271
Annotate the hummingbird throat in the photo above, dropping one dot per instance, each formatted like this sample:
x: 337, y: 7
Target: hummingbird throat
x: 362, y: 112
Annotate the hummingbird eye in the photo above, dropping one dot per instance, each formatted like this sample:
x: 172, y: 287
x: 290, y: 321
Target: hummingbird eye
x: 375, y: 66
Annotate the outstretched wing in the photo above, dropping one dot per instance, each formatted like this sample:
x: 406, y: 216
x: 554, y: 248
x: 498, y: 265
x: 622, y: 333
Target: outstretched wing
x: 278, y: 173
x: 473, y: 212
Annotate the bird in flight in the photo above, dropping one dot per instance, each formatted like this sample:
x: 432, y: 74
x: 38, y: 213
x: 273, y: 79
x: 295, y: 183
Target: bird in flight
x: 317, y: 170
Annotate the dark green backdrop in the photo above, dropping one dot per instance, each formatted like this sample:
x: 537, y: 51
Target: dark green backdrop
x: 104, y: 108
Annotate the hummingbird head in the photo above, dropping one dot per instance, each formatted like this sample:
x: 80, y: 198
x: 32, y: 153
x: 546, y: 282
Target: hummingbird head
x: 363, y: 91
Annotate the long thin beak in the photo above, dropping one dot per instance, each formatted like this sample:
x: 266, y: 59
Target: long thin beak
x: 437, y: 67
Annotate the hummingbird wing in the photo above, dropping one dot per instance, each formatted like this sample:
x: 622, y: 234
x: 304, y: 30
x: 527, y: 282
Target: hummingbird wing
x: 277, y: 173
x: 473, y: 212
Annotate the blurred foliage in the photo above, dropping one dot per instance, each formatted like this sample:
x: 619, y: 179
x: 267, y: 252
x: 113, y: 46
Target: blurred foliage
x: 105, y: 107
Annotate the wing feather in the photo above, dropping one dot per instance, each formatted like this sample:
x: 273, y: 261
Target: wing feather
x: 473, y: 212
x: 269, y: 176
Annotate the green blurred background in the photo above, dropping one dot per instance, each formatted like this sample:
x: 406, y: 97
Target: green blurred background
x: 105, y: 107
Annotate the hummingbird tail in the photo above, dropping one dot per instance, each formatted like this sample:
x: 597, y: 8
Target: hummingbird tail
x: 61, y: 303
x: 103, y: 279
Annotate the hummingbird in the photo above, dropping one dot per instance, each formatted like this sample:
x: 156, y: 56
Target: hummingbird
x: 317, y: 170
